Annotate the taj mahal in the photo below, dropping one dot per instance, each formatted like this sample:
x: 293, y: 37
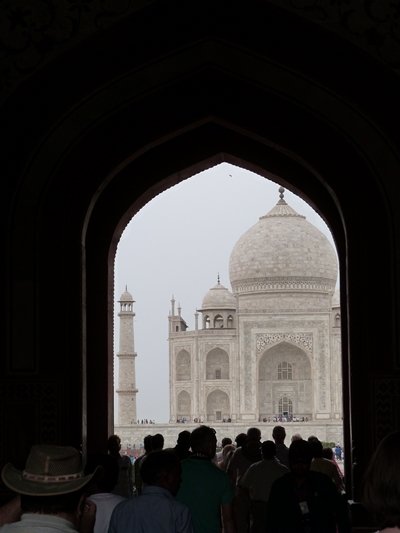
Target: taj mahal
x: 267, y: 351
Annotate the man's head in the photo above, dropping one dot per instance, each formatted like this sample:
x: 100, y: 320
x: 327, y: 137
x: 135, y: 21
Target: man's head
x: 148, y: 443
x: 225, y: 441
x: 316, y: 448
x: 268, y: 449
x: 203, y: 441
x: 52, y: 481
x: 296, y: 436
x: 240, y: 439
x: 108, y: 475
x: 253, y: 434
x: 114, y: 444
x: 157, y: 442
x: 300, y: 456
x: 163, y: 469
x: 184, y: 439
x: 279, y: 434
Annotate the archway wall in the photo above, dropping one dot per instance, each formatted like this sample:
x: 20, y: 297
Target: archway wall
x: 99, y: 151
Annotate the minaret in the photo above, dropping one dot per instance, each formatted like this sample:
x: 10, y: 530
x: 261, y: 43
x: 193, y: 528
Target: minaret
x: 126, y: 375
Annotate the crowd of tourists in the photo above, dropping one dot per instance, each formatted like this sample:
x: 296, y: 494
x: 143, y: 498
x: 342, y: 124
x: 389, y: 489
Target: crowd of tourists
x: 247, y: 486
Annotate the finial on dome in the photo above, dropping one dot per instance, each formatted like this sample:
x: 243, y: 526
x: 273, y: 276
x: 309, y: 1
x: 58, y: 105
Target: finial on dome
x: 281, y: 200
x: 218, y: 280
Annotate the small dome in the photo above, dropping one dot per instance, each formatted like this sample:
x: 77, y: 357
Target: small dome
x: 218, y: 297
x: 126, y: 296
x: 283, y: 251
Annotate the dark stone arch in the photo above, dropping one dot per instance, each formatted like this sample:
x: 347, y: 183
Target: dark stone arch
x: 88, y: 157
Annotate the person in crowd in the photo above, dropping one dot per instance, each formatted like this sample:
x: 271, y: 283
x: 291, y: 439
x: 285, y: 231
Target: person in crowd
x: 147, y: 445
x: 157, y: 442
x: 182, y: 446
x: 124, y: 485
x: 245, y: 455
x: 325, y: 466
x: 205, y: 488
x: 256, y: 484
x: 51, y: 489
x: 338, y: 452
x: 381, y: 484
x: 240, y: 439
x: 100, y: 490
x: 296, y: 436
x: 305, y: 501
x: 282, y: 451
x: 328, y: 453
x: 156, y: 509
x: 240, y: 461
x: 224, y: 442
x: 227, y: 452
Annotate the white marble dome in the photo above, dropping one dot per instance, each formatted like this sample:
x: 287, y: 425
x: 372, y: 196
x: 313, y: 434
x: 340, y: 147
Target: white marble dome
x: 218, y: 297
x: 283, y: 251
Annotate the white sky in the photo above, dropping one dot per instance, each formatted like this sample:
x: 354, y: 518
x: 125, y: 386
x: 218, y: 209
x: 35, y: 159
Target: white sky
x: 177, y: 245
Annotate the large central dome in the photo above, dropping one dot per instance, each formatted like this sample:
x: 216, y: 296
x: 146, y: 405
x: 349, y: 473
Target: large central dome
x: 283, y: 251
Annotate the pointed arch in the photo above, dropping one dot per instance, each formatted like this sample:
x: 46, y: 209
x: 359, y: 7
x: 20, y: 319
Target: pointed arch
x: 184, y: 406
x: 218, y: 406
x: 217, y: 364
x: 285, y: 367
x: 183, y: 366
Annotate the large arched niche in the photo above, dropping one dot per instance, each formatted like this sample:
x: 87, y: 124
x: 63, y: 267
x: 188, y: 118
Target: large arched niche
x: 297, y: 375
x: 109, y: 149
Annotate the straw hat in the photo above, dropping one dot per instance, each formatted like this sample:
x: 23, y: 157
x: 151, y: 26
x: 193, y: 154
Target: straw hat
x: 49, y: 471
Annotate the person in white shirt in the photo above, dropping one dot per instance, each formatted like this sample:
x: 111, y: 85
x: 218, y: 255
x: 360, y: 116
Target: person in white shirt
x: 256, y: 483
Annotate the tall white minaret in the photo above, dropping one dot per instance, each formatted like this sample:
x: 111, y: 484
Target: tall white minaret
x: 126, y: 375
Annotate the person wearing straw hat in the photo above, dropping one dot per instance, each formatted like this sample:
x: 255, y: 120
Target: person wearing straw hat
x: 51, y: 489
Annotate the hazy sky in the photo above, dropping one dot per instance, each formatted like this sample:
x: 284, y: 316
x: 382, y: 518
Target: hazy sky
x: 177, y: 245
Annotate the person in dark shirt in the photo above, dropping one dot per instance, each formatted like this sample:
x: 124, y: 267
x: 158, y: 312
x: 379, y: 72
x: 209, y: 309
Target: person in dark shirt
x: 303, y: 501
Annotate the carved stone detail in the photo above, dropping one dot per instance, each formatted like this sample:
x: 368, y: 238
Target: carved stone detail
x: 288, y: 284
x: 303, y: 340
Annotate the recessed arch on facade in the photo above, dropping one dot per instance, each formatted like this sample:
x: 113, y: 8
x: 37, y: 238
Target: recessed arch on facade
x: 183, y: 366
x: 218, y: 406
x: 217, y: 364
x: 184, y: 406
x: 284, y: 371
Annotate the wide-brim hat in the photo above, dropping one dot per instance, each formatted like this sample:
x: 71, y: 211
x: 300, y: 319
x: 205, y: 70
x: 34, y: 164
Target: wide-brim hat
x: 49, y: 471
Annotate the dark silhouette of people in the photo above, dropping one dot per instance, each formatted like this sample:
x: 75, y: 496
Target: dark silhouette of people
x: 100, y: 490
x: 124, y: 486
x: 156, y: 508
x: 305, y: 501
x: 205, y: 488
x: 157, y: 442
x: 325, y: 466
x: 148, y: 447
x: 241, y: 459
x: 282, y: 451
x: 256, y: 484
x: 182, y: 447
x: 240, y: 439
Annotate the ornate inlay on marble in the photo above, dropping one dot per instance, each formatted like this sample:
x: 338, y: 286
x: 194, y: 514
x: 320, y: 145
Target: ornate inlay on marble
x: 289, y: 284
x: 265, y: 340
